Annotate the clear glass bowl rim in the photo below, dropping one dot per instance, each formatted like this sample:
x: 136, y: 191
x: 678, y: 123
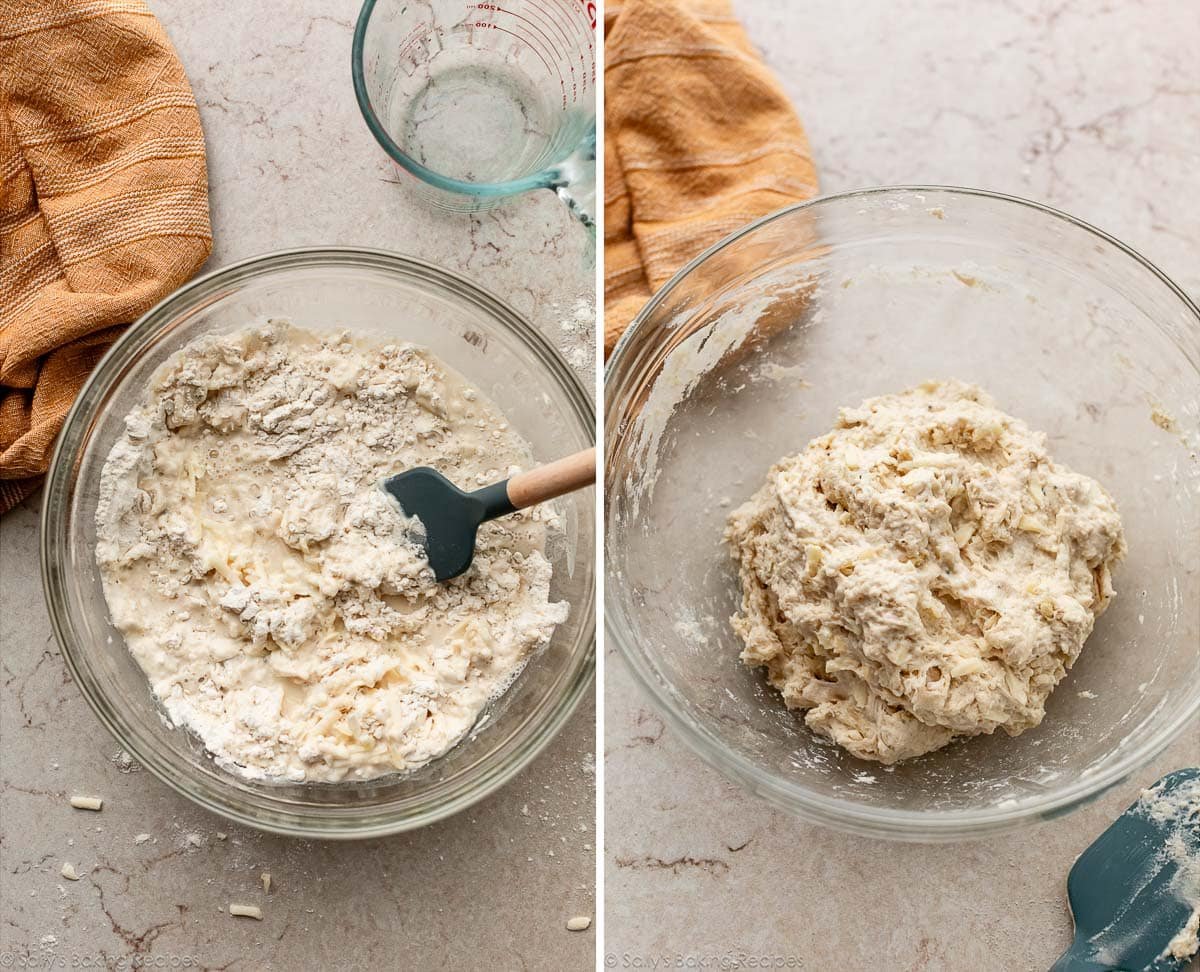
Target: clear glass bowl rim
x: 831, y: 811
x: 54, y: 513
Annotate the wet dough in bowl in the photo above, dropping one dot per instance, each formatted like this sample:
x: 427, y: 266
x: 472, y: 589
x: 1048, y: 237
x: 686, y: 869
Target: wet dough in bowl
x: 269, y: 589
x: 922, y: 572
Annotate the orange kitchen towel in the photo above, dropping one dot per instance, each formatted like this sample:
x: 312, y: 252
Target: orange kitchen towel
x: 699, y: 140
x: 103, y: 203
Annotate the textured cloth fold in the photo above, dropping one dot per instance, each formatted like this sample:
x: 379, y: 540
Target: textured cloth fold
x: 699, y: 140
x: 103, y: 203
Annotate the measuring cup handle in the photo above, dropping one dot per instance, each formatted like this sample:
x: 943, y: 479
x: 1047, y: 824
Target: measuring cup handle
x: 575, y: 183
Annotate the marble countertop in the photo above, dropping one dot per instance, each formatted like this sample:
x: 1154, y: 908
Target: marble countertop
x: 291, y: 163
x: 1091, y: 107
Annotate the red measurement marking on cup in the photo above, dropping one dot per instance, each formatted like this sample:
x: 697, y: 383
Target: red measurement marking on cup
x: 548, y: 27
x: 550, y: 46
x: 577, y: 28
x: 526, y: 41
x: 559, y: 57
x: 419, y: 33
x: 579, y: 25
x: 541, y: 57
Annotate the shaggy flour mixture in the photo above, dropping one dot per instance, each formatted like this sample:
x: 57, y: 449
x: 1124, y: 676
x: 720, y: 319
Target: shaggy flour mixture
x: 922, y: 572
x: 268, y: 587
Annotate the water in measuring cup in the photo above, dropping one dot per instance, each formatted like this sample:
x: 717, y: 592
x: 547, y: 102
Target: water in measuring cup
x: 473, y: 120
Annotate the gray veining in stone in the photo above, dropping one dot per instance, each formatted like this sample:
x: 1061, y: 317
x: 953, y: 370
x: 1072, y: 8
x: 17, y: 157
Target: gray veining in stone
x: 291, y: 163
x: 1089, y: 106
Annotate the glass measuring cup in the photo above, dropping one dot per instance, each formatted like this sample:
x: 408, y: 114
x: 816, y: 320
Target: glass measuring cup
x: 482, y: 100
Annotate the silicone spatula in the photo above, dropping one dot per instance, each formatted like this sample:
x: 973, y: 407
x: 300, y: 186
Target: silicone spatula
x: 450, y: 517
x: 1138, y: 886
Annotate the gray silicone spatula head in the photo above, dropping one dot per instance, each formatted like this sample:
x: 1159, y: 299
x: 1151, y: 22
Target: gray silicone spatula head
x: 449, y: 517
x: 1135, y: 890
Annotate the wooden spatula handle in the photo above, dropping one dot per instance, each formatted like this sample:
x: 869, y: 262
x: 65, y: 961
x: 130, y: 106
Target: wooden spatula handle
x: 546, y: 482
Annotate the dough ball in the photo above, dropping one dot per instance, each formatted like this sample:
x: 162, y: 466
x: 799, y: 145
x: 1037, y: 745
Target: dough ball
x: 922, y: 572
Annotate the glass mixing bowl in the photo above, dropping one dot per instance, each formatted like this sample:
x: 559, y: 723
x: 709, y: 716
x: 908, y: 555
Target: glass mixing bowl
x: 375, y: 294
x: 748, y: 352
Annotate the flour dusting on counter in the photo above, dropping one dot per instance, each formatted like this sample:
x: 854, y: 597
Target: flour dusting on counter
x: 270, y: 590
